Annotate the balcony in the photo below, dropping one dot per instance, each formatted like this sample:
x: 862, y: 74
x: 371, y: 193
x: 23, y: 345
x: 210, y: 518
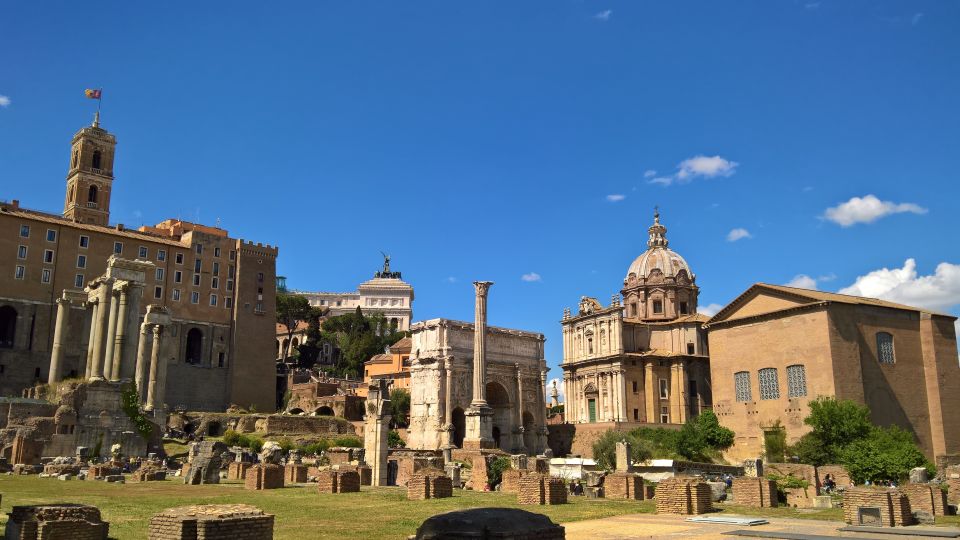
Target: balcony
x: 92, y: 205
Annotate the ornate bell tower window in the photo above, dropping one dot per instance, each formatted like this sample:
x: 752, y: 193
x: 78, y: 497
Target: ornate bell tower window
x: 92, y: 194
x: 96, y: 159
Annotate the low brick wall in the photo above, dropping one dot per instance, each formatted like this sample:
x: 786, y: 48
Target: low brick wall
x: 56, y: 522
x: 429, y: 486
x: 622, y: 485
x: 148, y: 474
x: 264, y: 476
x: 212, y: 522
x: 953, y: 490
x: 535, y: 488
x: 510, y: 482
x: 683, y: 496
x: 927, y: 498
x: 57, y: 469
x: 294, y: 473
x: 100, y: 471
x: 334, y: 481
x: 755, y: 492
x: 893, y: 504
x: 238, y: 470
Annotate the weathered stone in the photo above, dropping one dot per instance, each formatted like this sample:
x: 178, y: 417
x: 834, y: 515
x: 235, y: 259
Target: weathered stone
x: 498, y: 523
x: 755, y: 492
x: 212, y: 522
x: 683, y: 496
x: 264, y: 476
x: 205, y: 464
x: 876, y: 506
x: 918, y: 475
x: 536, y: 488
x: 337, y: 481
x: 56, y: 522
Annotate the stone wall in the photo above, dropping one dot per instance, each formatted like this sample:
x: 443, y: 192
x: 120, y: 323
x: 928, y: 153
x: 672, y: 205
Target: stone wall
x: 622, y: 485
x: 429, y: 486
x: 264, y: 476
x: 683, y: 496
x: 294, y: 473
x: 755, y: 492
x: 510, y: 481
x: 334, y: 481
x: 535, y: 488
x: 56, y: 522
x: 237, y: 470
x: 838, y: 472
x: 893, y: 504
x: 212, y: 522
x: 927, y: 498
x: 148, y: 474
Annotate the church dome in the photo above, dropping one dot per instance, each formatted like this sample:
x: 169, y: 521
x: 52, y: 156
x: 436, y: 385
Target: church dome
x: 659, y: 261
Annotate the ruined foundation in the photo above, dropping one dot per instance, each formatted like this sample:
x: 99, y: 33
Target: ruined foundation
x: 212, y: 522
x: 683, y: 496
x: 56, y: 522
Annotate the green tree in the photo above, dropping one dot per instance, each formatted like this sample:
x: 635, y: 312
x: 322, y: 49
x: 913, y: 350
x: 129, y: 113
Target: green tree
x: 605, y: 448
x: 399, y: 408
x: 835, y: 424
x: 292, y: 310
x: 884, y: 454
x: 357, y: 338
x: 714, y: 435
x: 311, y: 346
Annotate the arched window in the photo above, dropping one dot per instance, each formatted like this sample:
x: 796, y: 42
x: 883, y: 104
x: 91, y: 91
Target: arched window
x: 769, y: 384
x: 194, y: 352
x: 885, y: 348
x: 96, y: 159
x: 8, y: 326
x: 92, y: 194
x: 73, y: 162
x: 796, y: 381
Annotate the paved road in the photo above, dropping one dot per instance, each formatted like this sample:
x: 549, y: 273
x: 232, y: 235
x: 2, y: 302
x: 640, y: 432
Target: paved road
x: 653, y: 526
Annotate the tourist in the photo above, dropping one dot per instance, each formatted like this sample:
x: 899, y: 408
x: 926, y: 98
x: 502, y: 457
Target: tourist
x: 829, y: 484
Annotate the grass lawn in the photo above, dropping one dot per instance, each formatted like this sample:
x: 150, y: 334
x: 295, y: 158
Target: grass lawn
x: 300, y: 511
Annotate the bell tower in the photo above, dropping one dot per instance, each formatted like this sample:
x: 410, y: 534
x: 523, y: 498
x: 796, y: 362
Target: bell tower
x: 90, y: 178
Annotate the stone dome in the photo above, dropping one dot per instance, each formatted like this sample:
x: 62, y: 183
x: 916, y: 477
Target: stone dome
x: 659, y: 257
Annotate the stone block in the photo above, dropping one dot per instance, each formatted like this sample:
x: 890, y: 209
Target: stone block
x: 876, y: 506
x: 294, y: 473
x: 683, y: 496
x: 755, y: 492
x: 148, y: 474
x: 337, y: 481
x: 918, y: 475
x: 237, y: 470
x: 264, y: 476
x: 56, y: 522
x: 212, y: 522
x: 535, y: 488
x: 623, y: 485
x: 823, y: 501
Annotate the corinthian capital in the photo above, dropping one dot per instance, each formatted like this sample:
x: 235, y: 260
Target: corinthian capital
x: 482, y: 287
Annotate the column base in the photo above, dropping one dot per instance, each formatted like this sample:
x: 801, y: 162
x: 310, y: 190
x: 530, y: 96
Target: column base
x: 479, y: 428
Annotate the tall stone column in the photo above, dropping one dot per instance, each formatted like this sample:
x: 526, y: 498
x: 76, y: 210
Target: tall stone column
x: 479, y: 416
x: 110, y: 338
x: 101, y: 322
x: 128, y: 365
x: 140, y: 377
x: 651, y: 392
x: 120, y: 332
x: 520, y: 443
x: 682, y: 391
x: 94, y: 308
x: 155, y: 387
x: 623, y: 395
x: 448, y: 426
x: 543, y: 431
x: 59, y: 335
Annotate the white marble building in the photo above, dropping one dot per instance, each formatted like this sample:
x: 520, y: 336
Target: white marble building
x: 386, y: 293
x: 441, y: 386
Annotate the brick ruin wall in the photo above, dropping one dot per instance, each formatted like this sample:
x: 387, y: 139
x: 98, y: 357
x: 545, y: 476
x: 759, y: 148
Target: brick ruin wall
x: 212, y: 522
x: 755, y: 492
x: 429, y: 486
x: 623, y: 485
x: 264, y: 476
x: 334, y: 481
x: 535, y: 488
x: 56, y: 522
x: 927, y: 498
x: 893, y: 504
x: 683, y: 496
x: 294, y: 473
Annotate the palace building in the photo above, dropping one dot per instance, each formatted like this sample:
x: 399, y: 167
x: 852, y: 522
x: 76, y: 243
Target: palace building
x: 642, y: 360
x: 218, y: 291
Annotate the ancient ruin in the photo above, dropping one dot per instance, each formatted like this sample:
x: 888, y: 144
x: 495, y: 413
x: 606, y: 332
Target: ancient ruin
x: 338, y: 481
x: 212, y: 522
x: 56, y: 522
x: 499, y: 523
x: 755, y: 492
x: 683, y: 496
x: 876, y: 506
x: 536, y: 488
x: 376, y: 431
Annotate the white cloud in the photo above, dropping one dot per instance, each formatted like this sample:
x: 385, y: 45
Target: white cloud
x: 708, y: 167
x: 531, y: 277
x: 937, y: 291
x: 604, y: 15
x: 802, y: 281
x: 709, y: 310
x: 915, y: 20
x: 812, y: 5
x: 616, y: 197
x: 650, y: 173
x: 4, y: 101
x: 451, y: 279
x: 867, y: 210
x: 738, y: 234
x: 663, y: 180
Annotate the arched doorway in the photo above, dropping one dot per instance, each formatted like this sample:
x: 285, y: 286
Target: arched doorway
x: 8, y: 326
x: 590, y: 396
x: 324, y: 411
x: 459, y: 427
x: 499, y: 400
x: 194, y: 352
x: 214, y: 429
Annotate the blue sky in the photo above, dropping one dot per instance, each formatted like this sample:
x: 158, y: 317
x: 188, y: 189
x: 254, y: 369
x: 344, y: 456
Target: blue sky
x: 494, y: 140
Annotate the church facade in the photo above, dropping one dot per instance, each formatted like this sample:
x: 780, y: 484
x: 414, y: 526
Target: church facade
x: 643, y: 358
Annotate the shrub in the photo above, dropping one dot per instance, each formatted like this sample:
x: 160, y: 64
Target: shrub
x: 255, y: 444
x: 605, y: 449
x: 348, y: 441
x: 394, y: 440
x: 885, y: 454
x: 495, y: 471
x: 286, y: 444
x: 231, y: 438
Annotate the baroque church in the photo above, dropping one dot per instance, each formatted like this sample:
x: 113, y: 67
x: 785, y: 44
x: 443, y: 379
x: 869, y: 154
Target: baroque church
x: 642, y: 359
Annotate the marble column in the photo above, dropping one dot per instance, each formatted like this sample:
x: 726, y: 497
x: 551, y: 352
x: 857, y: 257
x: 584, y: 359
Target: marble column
x: 93, y: 308
x: 448, y: 402
x: 623, y: 395
x: 59, y: 335
x: 128, y: 367
x: 110, y: 338
x: 155, y: 386
x: 682, y: 392
x: 480, y: 344
x: 520, y: 425
x: 651, y: 391
x: 100, y: 322
x: 140, y: 377
x: 120, y: 333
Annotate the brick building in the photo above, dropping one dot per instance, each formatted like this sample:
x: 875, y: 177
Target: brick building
x: 775, y: 348
x: 220, y: 291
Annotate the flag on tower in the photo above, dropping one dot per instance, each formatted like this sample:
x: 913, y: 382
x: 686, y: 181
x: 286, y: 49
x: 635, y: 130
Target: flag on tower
x: 92, y: 93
